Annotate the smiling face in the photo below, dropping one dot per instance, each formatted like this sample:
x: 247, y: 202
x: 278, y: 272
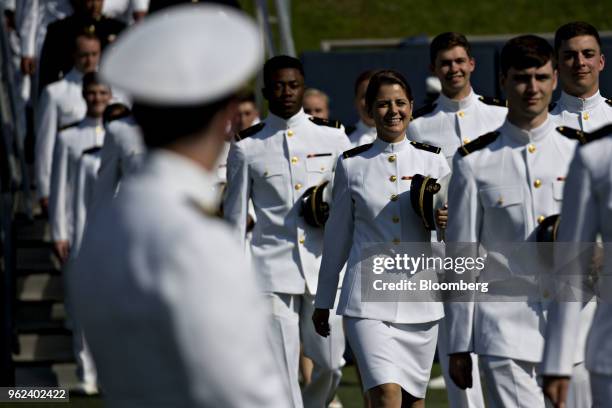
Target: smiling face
x: 454, y: 68
x: 529, y: 92
x: 285, y: 92
x: 97, y: 98
x: 579, y: 62
x: 391, y: 112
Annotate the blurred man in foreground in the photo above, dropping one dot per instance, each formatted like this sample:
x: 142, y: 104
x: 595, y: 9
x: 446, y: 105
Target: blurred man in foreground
x: 167, y: 302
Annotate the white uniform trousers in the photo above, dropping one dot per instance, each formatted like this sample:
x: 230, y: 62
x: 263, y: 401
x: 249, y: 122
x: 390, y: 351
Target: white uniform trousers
x: 291, y: 321
x: 601, y: 387
x: 86, y: 369
x: 511, y: 383
x: 458, y: 398
x: 515, y: 383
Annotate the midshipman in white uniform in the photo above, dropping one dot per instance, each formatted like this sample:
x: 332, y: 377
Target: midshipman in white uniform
x: 394, y: 342
x: 274, y: 165
x: 160, y: 286
x: 504, y: 184
x: 61, y: 104
x: 580, y: 62
x: 455, y: 118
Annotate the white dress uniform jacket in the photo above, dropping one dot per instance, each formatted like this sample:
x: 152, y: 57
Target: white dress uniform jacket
x: 274, y: 167
x: 587, y: 210
x: 498, y: 194
x: 121, y: 155
x: 450, y: 124
x: 70, y: 145
x: 363, y: 134
x: 585, y: 114
x: 61, y: 104
x: 371, y: 204
x: 165, y: 298
x: 87, y: 174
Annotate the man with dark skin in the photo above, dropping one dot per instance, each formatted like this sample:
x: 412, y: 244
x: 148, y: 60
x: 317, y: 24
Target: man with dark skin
x: 274, y: 163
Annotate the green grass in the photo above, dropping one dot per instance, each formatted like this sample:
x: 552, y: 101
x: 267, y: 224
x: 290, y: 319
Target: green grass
x: 316, y: 20
x: 349, y: 393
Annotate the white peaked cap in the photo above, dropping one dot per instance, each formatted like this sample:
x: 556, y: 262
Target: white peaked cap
x: 184, y: 55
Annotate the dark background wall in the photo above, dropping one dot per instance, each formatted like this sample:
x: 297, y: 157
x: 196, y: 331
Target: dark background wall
x: 335, y: 72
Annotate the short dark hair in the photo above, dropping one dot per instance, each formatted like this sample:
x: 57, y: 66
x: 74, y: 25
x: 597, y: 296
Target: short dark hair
x: 245, y: 96
x: 574, y: 29
x: 92, y: 78
x: 364, y: 76
x: 86, y: 35
x: 164, y: 125
x: 385, y: 77
x: 525, y: 51
x: 280, y: 62
x: 446, y: 41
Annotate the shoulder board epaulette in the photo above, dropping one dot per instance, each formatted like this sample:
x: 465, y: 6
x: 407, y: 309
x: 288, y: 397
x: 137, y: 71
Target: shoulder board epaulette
x: 92, y: 150
x: 248, y: 132
x: 609, y: 102
x: 552, y: 106
x: 356, y: 150
x: 492, y: 101
x: 478, y: 144
x: 69, y: 125
x: 576, y: 134
x: 586, y: 137
x: 424, y: 146
x: 326, y: 122
x: 599, y: 133
x: 350, y: 129
x: 423, y: 110
x: 115, y: 111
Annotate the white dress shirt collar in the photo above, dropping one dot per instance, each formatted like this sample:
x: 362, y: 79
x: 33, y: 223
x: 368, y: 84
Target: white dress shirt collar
x: 575, y: 104
x: 391, y: 147
x: 447, y: 104
x: 278, y: 122
x: 521, y: 136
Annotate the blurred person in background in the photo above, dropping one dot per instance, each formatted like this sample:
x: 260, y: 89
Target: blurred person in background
x: 364, y: 131
x: 61, y: 104
x: 316, y: 103
x: 55, y: 56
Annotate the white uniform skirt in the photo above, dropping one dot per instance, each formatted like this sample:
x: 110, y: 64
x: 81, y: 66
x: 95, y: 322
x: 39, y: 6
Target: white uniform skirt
x: 393, y: 353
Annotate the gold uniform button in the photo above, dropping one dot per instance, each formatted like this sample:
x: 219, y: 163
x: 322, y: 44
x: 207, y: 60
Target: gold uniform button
x: 461, y: 114
x: 294, y: 160
x: 537, y: 183
x: 266, y: 174
x: 298, y: 186
x: 545, y: 294
x: 394, y: 197
x: 500, y: 201
x: 396, y: 241
x: 531, y: 148
x: 302, y: 240
x: 540, y: 219
x: 466, y: 140
x: 391, y: 159
x: 396, y: 220
x: 393, y: 178
x: 585, y: 116
x: 290, y: 133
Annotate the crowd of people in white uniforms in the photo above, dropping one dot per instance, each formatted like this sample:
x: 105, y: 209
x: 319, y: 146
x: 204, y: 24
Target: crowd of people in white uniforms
x: 160, y: 295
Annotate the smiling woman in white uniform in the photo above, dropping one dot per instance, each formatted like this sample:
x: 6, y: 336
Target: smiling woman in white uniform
x: 394, y: 342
